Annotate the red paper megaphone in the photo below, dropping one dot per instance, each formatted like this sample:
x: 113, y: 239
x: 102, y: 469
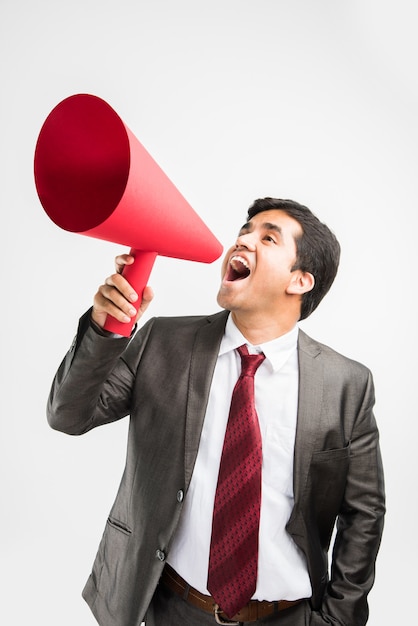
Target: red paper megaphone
x: 95, y: 178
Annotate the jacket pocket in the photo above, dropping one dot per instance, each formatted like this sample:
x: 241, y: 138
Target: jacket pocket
x: 335, y: 454
x: 327, y: 482
x: 118, y: 525
x: 111, y: 572
x: 328, y: 471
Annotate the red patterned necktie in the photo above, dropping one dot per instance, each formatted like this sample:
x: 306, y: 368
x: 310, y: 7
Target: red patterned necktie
x: 233, y: 554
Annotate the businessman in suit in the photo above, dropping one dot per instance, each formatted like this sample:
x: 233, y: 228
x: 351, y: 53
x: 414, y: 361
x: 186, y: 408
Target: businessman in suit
x: 169, y: 555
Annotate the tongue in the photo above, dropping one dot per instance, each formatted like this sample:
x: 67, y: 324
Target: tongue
x: 238, y: 270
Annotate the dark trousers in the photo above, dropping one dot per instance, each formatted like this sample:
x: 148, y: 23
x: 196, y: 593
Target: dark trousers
x: 169, y: 609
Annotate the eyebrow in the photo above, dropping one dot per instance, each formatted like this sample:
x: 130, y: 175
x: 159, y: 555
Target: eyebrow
x: 249, y: 227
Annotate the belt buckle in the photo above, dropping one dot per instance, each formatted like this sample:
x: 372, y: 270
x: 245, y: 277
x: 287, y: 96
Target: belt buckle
x: 219, y: 620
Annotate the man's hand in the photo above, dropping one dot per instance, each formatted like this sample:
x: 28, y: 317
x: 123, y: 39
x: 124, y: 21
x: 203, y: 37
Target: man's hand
x: 117, y: 298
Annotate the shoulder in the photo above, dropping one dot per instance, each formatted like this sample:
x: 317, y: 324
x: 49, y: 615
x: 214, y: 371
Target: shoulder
x: 168, y: 340
x: 191, y: 322
x: 180, y: 330
x: 332, y: 361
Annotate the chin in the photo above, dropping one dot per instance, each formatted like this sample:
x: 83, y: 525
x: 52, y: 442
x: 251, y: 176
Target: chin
x: 220, y: 300
x: 223, y: 300
x: 227, y: 302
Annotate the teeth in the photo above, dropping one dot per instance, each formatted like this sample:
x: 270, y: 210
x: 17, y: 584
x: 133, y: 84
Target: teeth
x: 239, y: 259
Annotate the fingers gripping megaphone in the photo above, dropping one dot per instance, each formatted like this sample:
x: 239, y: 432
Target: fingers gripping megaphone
x: 94, y: 177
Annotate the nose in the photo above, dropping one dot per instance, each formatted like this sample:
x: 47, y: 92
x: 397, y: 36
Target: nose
x: 245, y: 241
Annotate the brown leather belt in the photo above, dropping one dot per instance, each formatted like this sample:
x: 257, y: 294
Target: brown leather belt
x: 251, y: 612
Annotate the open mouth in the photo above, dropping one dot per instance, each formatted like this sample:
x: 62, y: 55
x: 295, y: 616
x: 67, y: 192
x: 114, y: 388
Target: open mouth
x: 238, y: 269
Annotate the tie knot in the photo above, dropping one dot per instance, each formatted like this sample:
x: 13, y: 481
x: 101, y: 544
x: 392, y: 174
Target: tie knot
x: 249, y: 362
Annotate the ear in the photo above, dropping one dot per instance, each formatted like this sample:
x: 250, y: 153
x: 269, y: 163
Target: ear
x: 300, y: 283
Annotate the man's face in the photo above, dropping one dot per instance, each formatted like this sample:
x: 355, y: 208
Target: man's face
x: 256, y: 271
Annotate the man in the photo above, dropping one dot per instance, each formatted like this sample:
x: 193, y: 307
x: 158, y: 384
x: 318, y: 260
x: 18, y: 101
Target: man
x: 164, y: 556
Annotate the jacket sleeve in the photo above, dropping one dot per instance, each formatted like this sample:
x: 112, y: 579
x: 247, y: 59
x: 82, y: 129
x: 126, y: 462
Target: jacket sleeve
x: 359, y: 524
x: 93, y: 384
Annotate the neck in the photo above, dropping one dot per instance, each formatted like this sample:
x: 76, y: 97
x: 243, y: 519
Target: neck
x: 258, y: 330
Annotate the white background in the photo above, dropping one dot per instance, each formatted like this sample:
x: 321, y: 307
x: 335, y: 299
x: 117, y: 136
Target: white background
x: 235, y: 99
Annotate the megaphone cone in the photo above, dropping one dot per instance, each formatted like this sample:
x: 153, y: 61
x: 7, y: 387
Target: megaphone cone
x: 95, y: 178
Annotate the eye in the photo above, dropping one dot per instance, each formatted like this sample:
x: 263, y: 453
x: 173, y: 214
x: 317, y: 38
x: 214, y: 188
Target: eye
x: 269, y: 238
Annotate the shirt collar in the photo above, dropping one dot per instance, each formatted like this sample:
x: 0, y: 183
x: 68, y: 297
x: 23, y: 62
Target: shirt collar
x: 277, y: 351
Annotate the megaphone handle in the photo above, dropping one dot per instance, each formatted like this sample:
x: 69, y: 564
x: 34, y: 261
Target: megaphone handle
x: 137, y: 275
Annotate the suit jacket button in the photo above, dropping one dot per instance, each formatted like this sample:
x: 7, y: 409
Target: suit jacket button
x: 180, y: 495
x: 160, y: 555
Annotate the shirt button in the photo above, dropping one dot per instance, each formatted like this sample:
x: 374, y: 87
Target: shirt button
x: 180, y: 495
x: 160, y: 555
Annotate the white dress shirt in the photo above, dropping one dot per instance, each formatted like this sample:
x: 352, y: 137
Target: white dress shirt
x: 282, y: 570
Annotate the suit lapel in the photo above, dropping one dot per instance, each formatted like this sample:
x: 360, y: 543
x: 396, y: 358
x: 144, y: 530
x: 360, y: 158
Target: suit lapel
x: 203, y: 360
x: 309, y: 410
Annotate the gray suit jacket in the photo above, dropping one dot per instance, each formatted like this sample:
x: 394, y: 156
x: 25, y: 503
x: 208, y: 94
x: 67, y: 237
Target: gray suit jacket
x: 162, y: 378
